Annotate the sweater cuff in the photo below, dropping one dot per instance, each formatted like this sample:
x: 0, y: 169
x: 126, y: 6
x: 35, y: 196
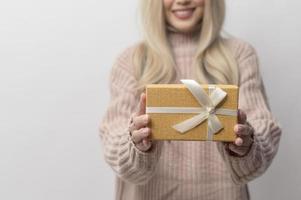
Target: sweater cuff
x: 243, y: 169
x: 136, y: 166
x: 154, y: 150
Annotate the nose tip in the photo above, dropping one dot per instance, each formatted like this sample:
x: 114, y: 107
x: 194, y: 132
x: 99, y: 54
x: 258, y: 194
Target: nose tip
x: 183, y: 2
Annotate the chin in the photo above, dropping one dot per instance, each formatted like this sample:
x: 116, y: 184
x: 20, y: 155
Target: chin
x: 187, y: 28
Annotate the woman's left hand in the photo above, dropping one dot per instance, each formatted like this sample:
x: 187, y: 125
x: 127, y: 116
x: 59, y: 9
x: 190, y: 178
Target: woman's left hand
x: 245, y: 136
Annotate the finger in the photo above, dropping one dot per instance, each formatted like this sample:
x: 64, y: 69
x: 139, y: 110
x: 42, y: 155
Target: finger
x: 239, y: 141
x: 243, y: 141
x: 130, y: 122
x: 142, y: 104
x: 242, y: 130
x: 146, y: 142
x: 139, y: 135
x: 139, y: 122
x: 238, y: 150
x: 242, y: 117
x: 144, y: 145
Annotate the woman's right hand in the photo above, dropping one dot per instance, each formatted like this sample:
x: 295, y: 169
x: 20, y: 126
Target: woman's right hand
x: 138, y: 126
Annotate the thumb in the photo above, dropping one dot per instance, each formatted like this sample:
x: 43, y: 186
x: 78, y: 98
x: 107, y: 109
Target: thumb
x: 142, y: 104
x: 242, y: 116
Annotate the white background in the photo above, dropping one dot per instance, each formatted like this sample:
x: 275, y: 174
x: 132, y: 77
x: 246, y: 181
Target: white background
x: 55, y: 57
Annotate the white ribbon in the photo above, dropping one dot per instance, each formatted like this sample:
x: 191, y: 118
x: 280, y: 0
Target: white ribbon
x: 207, y: 110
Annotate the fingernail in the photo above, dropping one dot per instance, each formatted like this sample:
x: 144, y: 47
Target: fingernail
x: 239, y: 142
x: 236, y: 128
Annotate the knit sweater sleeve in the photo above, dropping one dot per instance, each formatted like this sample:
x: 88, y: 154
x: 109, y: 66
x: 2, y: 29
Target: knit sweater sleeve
x: 129, y: 163
x: 253, y: 100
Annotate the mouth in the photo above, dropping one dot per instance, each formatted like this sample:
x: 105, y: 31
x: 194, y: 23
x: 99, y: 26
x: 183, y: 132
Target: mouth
x: 184, y: 13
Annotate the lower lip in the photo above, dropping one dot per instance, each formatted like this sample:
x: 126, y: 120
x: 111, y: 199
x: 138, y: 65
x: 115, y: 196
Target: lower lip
x: 183, y: 15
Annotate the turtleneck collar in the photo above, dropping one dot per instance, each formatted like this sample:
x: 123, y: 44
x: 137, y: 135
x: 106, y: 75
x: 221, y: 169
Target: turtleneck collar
x: 183, y: 47
x: 177, y: 38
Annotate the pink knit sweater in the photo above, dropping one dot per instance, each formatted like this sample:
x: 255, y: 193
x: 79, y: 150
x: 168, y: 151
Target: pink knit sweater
x: 186, y: 170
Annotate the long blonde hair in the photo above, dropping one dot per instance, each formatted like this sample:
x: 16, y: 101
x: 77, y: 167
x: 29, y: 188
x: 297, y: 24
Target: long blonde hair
x: 153, y: 61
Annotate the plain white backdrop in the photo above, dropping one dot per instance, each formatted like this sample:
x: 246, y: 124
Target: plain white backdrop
x: 55, y: 58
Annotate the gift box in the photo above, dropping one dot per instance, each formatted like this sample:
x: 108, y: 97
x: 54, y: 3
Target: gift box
x: 191, y: 111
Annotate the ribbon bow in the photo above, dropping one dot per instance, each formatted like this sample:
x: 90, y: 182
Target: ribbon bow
x: 207, y: 111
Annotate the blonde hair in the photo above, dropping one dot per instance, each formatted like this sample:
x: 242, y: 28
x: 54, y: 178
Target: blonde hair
x: 153, y: 61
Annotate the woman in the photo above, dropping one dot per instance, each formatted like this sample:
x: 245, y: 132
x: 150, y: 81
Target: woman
x: 182, y: 40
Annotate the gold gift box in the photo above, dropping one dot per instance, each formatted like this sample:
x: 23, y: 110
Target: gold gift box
x: 178, y: 95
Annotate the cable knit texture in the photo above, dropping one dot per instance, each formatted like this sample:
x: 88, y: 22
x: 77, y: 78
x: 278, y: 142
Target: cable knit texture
x: 186, y: 170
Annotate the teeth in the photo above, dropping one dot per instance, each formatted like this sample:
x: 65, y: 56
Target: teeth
x: 184, y: 13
